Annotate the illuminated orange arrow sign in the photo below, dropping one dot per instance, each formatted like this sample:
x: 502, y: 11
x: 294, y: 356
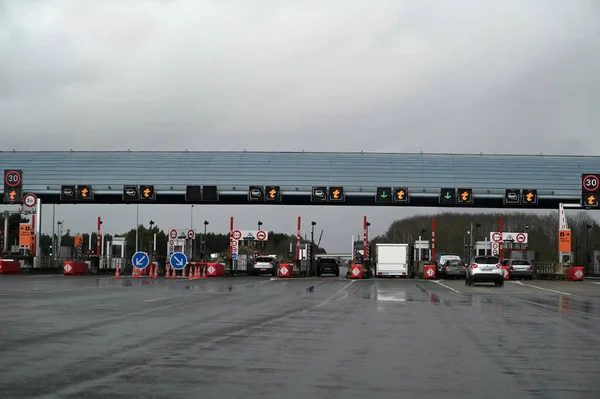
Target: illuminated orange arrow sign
x: 272, y: 193
x: 147, y: 192
x: 464, y: 195
x: 12, y: 195
x: 400, y: 194
x: 529, y: 197
x: 591, y: 200
x: 336, y: 194
x: 84, y: 192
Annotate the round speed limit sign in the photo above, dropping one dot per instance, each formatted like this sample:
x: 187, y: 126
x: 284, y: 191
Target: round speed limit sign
x: 30, y: 200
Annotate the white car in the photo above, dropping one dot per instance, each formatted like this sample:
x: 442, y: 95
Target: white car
x: 485, y: 269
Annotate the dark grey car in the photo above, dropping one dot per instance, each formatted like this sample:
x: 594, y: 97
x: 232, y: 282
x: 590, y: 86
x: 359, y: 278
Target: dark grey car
x: 454, y: 269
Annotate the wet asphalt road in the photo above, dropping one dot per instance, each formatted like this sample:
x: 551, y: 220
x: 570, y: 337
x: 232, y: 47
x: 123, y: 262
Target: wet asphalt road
x: 88, y: 337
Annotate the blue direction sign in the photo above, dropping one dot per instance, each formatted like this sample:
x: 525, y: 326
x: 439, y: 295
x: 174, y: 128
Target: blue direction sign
x: 140, y: 260
x: 178, y: 260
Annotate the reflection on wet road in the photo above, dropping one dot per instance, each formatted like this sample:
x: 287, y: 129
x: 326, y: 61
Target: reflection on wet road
x: 89, y: 337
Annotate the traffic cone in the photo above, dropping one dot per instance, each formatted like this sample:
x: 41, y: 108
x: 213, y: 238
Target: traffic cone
x: 192, y: 272
x: 204, y: 271
x: 174, y: 273
x: 183, y: 273
x: 168, y: 272
x: 198, y: 271
x: 155, y: 271
x: 135, y: 273
x: 118, y: 273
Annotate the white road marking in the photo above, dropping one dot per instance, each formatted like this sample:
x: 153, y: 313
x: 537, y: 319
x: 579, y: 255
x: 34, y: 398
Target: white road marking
x: 540, y: 288
x: 326, y: 301
x: 444, y: 285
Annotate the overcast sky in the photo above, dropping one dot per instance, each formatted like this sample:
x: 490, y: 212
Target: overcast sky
x: 511, y: 76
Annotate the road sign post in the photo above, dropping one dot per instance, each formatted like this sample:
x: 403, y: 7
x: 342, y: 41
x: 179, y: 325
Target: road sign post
x: 178, y: 260
x: 140, y: 260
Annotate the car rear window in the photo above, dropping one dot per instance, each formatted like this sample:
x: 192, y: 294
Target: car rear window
x: 327, y: 261
x: 455, y: 263
x: 520, y: 262
x: 264, y: 259
x: 487, y: 260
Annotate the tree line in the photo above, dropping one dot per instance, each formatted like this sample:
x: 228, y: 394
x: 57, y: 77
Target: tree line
x: 451, y: 231
x: 278, y: 243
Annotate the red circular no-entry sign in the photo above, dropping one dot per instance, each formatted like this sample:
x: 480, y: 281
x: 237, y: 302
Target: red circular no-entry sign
x: 261, y: 235
x: 521, y: 238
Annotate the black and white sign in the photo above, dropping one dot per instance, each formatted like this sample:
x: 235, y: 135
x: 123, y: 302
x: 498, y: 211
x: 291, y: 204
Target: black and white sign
x: 261, y: 235
x: 319, y: 194
x: 512, y: 196
x: 68, y: 193
x: 521, y: 238
x: 256, y: 193
x: 130, y: 193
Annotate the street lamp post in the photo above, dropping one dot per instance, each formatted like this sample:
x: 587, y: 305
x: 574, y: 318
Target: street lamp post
x: 137, y: 227
x: 312, y: 242
x: 153, y: 240
x: 204, y: 246
x: 588, y: 248
x: 259, y: 243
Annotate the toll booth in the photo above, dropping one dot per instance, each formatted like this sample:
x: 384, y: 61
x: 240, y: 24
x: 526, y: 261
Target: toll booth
x: 421, y: 250
x: 483, y: 248
x: 116, y: 253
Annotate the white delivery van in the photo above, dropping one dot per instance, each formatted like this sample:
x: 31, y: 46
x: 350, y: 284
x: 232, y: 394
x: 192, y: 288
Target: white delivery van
x: 392, y: 260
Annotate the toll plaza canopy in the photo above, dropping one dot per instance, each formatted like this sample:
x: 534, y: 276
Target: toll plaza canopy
x: 555, y: 178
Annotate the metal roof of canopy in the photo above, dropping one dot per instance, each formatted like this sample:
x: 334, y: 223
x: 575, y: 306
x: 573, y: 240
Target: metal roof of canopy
x: 420, y: 172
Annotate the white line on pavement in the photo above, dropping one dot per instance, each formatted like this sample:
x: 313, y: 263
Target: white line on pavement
x: 540, y: 288
x: 444, y: 285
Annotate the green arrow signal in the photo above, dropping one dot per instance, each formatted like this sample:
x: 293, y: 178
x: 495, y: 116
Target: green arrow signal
x: 383, y: 195
x: 447, y: 196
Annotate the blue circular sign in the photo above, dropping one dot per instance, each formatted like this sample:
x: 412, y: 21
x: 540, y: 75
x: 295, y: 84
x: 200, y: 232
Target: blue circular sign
x: 140, y: 260
x: 178, y: 260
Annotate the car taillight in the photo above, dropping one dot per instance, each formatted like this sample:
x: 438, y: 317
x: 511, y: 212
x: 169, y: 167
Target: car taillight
x: 464, y: 268
x: 474, y: 265
x: 530, y: 267
x: 511, y: 269
x: 271, y: 262
x: 498, y: 265
x: 255, y: 262
x: 447, y: 267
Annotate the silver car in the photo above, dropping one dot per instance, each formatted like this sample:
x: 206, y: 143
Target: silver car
x: 485, y: 269
x: 265, y: 264
x: 520, y: 269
